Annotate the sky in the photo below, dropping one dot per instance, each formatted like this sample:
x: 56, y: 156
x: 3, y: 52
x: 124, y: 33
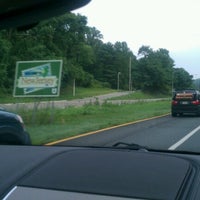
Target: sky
x: 170, y: 24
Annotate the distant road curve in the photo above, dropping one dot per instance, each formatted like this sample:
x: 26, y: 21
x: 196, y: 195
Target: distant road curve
x: 76, y: 103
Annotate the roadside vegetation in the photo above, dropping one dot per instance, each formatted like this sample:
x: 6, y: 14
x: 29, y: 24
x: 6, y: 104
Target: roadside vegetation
x: 87, y: 60
x: 66, y: 94
x: 141, y: 95
x: 48, y: 125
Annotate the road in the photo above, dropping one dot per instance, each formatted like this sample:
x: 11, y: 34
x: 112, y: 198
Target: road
x: 62, y: 104
x: 175, y: 133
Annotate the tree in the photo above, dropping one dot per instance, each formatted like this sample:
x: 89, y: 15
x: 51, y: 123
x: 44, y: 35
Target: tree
x: 154, y: 70
x: 181, y: 79
x: 85, y: 56
x: 5, y: 47
x: 145, y: 51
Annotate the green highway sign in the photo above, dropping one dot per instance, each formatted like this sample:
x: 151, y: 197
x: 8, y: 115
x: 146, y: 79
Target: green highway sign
x: 38, y: 78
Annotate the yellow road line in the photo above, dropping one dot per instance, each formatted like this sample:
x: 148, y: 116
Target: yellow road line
x: 101, y: 130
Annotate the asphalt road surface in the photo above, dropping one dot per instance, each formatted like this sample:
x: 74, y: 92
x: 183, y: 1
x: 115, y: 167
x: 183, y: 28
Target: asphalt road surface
x: 167, y: 133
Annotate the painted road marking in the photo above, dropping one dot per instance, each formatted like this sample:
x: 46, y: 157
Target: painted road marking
x: 184, y: 139
x: 101, y: 130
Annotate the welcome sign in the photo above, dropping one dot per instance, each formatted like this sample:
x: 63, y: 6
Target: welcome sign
x: 38, y: 78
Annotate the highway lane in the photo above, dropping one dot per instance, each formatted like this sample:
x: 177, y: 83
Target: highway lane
x: 159, y: 133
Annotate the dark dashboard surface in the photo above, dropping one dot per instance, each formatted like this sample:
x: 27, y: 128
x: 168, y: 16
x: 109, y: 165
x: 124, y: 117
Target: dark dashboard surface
x: 102, y: 171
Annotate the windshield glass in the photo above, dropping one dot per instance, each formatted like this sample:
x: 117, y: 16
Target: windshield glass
x: 112, y: 72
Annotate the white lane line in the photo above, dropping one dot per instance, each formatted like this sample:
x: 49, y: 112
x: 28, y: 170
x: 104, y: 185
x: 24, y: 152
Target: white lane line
x: 181, y: 141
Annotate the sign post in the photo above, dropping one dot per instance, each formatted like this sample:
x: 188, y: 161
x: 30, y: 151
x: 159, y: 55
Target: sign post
x: 38, y: 78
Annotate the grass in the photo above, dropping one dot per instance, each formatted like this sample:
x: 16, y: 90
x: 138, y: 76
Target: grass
x: 85, y: 92
x: 50, y: 126
x: 141, y: 95
x: 65, y: 94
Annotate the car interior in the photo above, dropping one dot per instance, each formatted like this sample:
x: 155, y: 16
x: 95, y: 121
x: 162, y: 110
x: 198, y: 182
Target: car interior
x: 75, y: 172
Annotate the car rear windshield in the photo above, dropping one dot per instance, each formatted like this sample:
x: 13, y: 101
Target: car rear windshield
x: 187, y: 95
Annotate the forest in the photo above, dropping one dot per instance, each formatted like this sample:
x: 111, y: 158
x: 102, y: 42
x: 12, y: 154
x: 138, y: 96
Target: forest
x: 87, y: 59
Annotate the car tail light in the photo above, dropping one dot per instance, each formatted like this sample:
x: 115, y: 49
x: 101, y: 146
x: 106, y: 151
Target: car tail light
x: 197, y: 102
x: 174, y: 102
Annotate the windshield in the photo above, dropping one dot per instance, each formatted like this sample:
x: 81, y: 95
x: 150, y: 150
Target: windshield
x: 112, y: 72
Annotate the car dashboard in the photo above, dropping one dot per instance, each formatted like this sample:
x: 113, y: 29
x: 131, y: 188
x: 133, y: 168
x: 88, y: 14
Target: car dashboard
x: 96, y: 173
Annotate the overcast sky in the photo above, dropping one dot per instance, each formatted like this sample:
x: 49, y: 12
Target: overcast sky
x: 170, y: 24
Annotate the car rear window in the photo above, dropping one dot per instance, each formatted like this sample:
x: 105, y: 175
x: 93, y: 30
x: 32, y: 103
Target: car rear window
x: 185, y: 96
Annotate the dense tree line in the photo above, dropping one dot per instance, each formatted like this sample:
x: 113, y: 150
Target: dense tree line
x: 87, y: 59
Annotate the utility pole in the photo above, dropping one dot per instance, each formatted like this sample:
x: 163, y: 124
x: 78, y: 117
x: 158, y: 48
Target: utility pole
x: 172, y: 81
x: 118, y: 80
x: 130, y: 81
x: 74, y: 87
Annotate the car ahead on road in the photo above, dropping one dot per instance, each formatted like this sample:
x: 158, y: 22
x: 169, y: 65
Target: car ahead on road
x: 12, y: 129
x: 185, y: 102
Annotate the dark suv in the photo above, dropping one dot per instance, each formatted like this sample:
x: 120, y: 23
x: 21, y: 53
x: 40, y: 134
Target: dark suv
x: 185, y: 102
x: 12, y: 130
